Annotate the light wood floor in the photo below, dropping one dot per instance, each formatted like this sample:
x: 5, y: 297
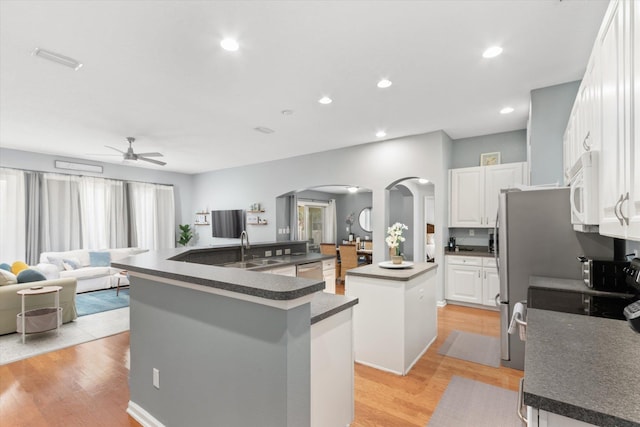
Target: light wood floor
x: 87, y: 385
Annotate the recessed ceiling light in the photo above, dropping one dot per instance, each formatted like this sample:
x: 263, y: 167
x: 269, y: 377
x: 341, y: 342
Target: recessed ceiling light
x: 56, y: 57
x: 325, y: 100
x: 506, y: 110
x: 492, y: 52
x: 384, y: 83
x: 263, y: 129
x: 423, y: 181
x: 352, y: 189
x: 287, y: 112
x: 230, y: 44
x: 381, y: 134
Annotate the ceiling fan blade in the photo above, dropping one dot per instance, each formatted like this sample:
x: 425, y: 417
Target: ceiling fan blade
x: 157, y: 162
x: 113, y: 148
x: 150, y: 154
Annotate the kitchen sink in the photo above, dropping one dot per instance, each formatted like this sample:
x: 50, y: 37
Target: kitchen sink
x: 266, y: 261
x: 251, y: 264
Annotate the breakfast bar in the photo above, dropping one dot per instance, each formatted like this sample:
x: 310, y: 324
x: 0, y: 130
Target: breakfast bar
x: 396, y: 319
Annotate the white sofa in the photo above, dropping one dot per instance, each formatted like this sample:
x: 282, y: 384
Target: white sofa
x: 90, y: 278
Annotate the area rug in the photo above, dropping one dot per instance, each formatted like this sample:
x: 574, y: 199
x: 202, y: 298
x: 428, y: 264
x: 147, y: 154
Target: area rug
x: 99, y: 301
x: 472, y: 347
x: 467, y: 402
x: 83, y: 329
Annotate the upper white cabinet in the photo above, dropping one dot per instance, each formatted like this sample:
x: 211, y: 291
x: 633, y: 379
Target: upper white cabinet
x: 473, y: 195
x: 619, y: 53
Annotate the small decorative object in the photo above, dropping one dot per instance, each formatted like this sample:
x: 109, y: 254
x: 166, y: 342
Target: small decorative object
x: 186, y: 234
x: 350, y: 218
x: 394, y: 238
x: 488, y: 159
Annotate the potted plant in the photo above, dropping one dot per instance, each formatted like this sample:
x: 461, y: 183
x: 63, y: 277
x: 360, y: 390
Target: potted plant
x: 186, y: 234
x: 394, y: 238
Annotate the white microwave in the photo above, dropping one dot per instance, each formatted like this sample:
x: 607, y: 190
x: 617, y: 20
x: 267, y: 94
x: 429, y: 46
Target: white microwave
x: 584, y: 193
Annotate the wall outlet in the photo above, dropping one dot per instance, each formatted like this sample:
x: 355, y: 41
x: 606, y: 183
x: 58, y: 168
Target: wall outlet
x: 472, y: 232
x: 287, y: 251
x: 278, y: 252
x: 156, y: 378
x: 267, y: 253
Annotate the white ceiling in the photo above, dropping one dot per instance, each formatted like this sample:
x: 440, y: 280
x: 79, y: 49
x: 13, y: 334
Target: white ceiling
x: 154, y: 70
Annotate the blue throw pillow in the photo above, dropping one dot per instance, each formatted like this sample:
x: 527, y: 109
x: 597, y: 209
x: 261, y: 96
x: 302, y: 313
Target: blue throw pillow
x: 73, y: 263
x: 5, y: 266
x: 30, y: 275
x: 99, y: 259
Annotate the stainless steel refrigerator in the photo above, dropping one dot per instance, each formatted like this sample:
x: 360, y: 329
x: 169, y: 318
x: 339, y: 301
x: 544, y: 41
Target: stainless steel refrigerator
x: 535, y: 238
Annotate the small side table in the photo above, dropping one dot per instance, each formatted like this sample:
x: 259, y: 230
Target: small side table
x: 124, y: 274
x: 40, y: 290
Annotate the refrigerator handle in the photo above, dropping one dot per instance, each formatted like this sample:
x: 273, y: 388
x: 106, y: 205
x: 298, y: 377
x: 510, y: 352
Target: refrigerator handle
x: 495, y: 241
x: 497, y: 300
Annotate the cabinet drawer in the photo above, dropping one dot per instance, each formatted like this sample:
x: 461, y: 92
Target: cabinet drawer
x: 464, y: 260
x: 328, y: 264
x: 489, y: 262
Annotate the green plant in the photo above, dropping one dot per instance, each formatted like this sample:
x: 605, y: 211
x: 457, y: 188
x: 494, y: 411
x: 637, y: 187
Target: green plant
x: 186, y: 234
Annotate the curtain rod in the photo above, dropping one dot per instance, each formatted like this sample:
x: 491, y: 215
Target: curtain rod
x: 88, y: 176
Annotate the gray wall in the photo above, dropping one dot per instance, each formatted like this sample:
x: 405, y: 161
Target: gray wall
x: 550, y: 110
x: 45, y: 163
x: 347, y: 203
x: 227, y: 363
x: 511, y: 145
x: 427, y: 156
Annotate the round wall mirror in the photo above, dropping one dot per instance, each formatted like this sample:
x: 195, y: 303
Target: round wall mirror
x: 364, y: 219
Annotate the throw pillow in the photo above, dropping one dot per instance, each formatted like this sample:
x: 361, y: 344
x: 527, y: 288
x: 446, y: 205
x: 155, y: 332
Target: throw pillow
x: 71, y: 263
x: 7, y: 277
x: 99, y: 259
x: 18, y: 266
x: 5, y: 266
x: 50, y: 271
x: 57, y: 261
x: 30, y: 275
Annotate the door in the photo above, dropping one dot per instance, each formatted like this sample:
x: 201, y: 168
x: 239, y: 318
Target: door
x: 633, y: 231
x: 496, y: 178
x: 464, y: 283
x: 466, y: 197
x: 490, y: 286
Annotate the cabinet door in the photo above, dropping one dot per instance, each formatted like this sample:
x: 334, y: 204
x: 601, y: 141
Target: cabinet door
x: 612, y: 172
x: 464, y: 283
x: 496, y: 178
x: 490, y: 286
x: 633, y: 207
x: 466, y: 197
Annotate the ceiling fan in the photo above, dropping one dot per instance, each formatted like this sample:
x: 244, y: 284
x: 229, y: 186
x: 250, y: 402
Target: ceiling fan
x: 130, y: 155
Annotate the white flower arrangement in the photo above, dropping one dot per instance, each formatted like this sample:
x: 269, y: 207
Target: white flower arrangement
x: 394, y: 235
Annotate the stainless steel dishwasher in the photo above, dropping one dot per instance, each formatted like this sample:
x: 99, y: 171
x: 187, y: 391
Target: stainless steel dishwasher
x: 311, y: 270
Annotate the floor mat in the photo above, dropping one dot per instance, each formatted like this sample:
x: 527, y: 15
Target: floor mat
x: 476, y: 348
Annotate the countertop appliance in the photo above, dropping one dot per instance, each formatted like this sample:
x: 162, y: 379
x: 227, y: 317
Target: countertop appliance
x: 604, y: 275
x: 535, y: 237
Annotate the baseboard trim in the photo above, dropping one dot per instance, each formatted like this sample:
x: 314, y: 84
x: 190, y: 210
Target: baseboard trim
x: 442, y: 303
x: 142, y: 416
x: 373, y: 365
x: 420, y: 355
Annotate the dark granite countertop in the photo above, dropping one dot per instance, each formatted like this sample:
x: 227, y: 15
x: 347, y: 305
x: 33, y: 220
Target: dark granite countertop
x: 570, y: 285
x: 405, y: 274
x: 583, y: 367
x: 254, y: 283
x: 324, y: 305
x: 481, y: 251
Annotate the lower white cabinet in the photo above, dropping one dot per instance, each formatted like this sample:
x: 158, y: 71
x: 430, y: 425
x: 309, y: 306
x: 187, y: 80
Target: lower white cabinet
x: 329, y: 275
x: 541, y: 418
x: 472, y: 280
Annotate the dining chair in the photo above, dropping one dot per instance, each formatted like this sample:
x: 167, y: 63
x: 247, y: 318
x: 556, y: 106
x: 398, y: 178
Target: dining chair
x: 368, y: 245
x: 330, y: 249
x: 348, y: 259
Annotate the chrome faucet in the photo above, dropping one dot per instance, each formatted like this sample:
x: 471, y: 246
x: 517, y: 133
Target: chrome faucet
x: 243, y: 235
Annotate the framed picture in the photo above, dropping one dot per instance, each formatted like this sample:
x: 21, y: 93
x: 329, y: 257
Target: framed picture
x: 487, y: 159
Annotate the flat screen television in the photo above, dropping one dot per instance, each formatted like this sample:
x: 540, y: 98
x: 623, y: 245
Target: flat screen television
x: 228, y: 223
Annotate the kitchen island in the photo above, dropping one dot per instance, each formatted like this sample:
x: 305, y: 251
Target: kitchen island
x: 581, y: 370
x: 216, y: 345
x: 396, y: 318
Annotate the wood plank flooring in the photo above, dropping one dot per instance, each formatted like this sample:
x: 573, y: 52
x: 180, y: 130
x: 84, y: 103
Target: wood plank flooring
x: 87, y: 384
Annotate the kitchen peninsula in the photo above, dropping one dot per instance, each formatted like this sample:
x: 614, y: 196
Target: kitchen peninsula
x: 396, y: 319
x: 215, y: 345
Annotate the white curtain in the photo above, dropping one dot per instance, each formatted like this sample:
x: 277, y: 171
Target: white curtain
x: 330, y: 220
x: 103, y: 211
x: 60, y: 213
x: 12, y: 214
x: 152, y: 215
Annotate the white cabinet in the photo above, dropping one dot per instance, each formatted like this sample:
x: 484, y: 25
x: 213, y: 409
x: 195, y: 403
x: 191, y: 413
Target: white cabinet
x: 619, y: 178
x: 473, y: 195
x: 472, y: 280
x: 329, y: 275
x: 490, y: 282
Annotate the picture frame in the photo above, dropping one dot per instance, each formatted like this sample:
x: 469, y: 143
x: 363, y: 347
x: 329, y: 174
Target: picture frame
x: 488, y: 159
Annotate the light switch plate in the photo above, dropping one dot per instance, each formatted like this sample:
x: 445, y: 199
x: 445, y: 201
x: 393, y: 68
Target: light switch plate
x: 278, y: 252
x: 287, y: 251
x: 267, y: 253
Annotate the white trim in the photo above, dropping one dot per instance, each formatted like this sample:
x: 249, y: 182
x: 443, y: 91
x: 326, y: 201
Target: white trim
x: 281, y: 304
x: 420, y: 355
x: 373, y: 365
x: 142, y: 416
x: 442, y: 303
